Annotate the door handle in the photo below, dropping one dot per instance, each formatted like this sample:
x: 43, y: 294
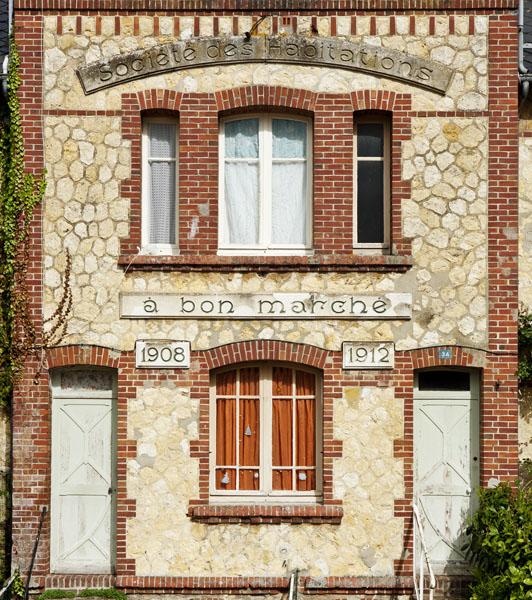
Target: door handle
x: 110, y: 490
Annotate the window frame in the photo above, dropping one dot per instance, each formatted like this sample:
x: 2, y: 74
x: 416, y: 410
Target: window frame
x: 266, y: 495
x: 385, y: 120
x: 147, y: 247
x: 265, y: 246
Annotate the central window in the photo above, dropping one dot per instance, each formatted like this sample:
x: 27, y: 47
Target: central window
x: 267, y: 435
x: 265, y: 185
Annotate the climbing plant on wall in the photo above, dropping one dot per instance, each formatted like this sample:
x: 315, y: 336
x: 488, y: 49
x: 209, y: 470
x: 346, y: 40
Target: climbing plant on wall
x: 20, y: 193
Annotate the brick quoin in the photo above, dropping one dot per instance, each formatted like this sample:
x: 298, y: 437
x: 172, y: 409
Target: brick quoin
x: 499, y: 410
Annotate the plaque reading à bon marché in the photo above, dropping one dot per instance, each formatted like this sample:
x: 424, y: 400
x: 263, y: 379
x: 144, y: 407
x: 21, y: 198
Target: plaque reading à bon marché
x: 300, y: 305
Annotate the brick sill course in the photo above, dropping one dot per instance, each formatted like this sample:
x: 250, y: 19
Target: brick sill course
x: 315, y: 263
x: 267, y: 514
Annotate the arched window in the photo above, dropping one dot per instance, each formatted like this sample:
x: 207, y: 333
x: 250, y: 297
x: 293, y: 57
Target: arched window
x: 266, y: 434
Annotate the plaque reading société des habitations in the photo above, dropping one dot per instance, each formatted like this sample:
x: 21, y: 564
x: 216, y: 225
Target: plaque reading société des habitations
x: 299, y: 305
x: 338, y: 53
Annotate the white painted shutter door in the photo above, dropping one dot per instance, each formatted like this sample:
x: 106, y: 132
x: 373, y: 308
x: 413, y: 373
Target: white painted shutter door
x: 81, y: 485
x: 446, y: 472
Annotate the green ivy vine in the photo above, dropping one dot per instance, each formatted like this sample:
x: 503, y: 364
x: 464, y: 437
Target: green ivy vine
x: 20, y: 192
x: 524, y: 371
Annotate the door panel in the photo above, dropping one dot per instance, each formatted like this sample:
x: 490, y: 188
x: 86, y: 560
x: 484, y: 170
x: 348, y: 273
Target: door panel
x: 446, y: 469
x: 82, y: 480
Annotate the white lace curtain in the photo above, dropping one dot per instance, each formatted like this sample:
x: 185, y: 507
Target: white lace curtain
x: 162, y: 164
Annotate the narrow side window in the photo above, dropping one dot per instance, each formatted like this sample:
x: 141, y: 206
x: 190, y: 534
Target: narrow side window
x: 372, y: 183
x: 159, y: 193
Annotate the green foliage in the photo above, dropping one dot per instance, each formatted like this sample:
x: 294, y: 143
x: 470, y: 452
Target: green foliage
x: 56, y: 594
x: 500, y: 545
x: 524, y: 371
x: 17, y: 587
x: 20, y: 193
x: 110, y: 593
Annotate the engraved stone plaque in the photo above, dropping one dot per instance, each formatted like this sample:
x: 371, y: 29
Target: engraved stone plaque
x: 299, y: 305
x: 368, y: 355
x: 332, y: 52
x: 162, y: 354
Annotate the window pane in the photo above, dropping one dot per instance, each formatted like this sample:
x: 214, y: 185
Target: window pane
x: 305, y: 480
x: 242, y: 203
x: 249, y: 479
x: 282, y: 479
x: 305, y: 383
x: 282, y: 433
x: 226, y: 479
x: 289, y: 193
x: 281, y: 381
x: 225, y: 432
x: 226, y: 384
x: 455, y: 381
x: 305, y: 433
x: 249, y: 432
x: 249, y: 382
x: 242, y: 139
x: 289, y: 138
x: 370, y: 139
x: 370, y: 202
x: 163, y: 203
x: 162, y: 140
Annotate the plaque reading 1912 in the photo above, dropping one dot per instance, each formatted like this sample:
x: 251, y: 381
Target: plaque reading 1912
x: 368, y: 355
x: 332, y: 52
x: 300, y: 305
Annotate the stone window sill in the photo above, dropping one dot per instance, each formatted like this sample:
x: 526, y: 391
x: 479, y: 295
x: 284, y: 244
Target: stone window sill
x: 268, y: 514
x: 314, y: 263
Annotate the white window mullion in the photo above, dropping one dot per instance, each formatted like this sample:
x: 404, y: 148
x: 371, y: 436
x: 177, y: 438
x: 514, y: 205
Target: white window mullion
x: 266, y: 409
x: 294, y: 463
x: 237, y: 432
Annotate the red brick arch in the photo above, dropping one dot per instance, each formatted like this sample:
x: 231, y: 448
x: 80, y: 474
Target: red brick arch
x: 266, y: 350
x: 265, y: 95
x: 426, y: 358
x: 85, y: 354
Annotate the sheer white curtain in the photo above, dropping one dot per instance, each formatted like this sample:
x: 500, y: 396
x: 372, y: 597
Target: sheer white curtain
x: 289, y: 182
x: 242, y: 182
x: 162, y: 166
x: 273, y: 151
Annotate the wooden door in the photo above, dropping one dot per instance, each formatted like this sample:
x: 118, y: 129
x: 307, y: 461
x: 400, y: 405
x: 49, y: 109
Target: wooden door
x: 446, y: 460
x: 82, y: 508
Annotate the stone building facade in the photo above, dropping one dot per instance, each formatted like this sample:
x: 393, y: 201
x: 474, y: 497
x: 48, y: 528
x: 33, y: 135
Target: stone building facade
x: 369, y: 314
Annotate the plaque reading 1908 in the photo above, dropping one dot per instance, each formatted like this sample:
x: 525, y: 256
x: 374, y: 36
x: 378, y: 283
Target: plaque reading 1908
x: 332, y: 52
x: 281, y: 305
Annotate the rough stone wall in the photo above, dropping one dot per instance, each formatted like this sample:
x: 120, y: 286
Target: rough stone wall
x: 164, y: 541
